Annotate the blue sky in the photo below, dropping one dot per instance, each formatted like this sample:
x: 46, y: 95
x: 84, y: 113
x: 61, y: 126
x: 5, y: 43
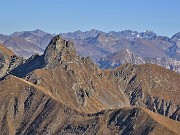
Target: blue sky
x: 56, y: 16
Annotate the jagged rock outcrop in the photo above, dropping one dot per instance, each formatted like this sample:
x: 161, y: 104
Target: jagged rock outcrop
x: 8, y: 61
x: 160, y: 50
x: 59, y: 51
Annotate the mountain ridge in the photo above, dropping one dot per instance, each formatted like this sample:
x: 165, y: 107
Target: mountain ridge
x: 127, y: 56
x: 60, y: 58
x: 45, y: 110
x: 60, y: 92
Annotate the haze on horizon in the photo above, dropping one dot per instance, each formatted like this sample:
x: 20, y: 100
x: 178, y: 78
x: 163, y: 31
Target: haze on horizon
x: 57, y: 16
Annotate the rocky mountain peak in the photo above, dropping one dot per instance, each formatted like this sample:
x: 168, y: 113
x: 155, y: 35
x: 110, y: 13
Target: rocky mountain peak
x: 38, y: 31
x: 119, y: 58
x: 8, y: 60
x: 148, y: 35
x: 100, y: 38
x: 176, y: 39
x: 59, y: 50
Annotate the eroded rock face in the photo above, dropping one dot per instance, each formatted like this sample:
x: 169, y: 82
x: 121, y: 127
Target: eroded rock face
x: 8, y: 61
x: 33, y: 63
x: 2, y: 61
x: 58, y: 51
x: 151, y: 86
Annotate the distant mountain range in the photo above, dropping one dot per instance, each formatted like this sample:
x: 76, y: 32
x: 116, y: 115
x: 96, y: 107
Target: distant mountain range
x: 146, y: 44
x: 108, y: 50
x: 127, y: 56
x: 26, y: 43
x: 128, y: 46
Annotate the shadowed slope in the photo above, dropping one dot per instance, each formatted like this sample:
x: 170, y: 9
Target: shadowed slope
x: 8, y: 60
x: 150, y: 86
x: 29, y: 109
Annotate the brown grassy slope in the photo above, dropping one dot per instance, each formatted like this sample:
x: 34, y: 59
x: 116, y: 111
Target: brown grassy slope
x: 140, y: 121
x: 81, y: 88
x: 154, y: 79
x: 28, y: 109
x: 149, y: 86
x: 164, y: 121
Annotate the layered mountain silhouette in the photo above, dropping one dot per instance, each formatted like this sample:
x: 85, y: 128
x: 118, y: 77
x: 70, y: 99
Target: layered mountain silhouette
x: 26, y: 43
x: 127, y: 56
x: 145, y: 44
x: 148, y: 46
x: 60, y: 92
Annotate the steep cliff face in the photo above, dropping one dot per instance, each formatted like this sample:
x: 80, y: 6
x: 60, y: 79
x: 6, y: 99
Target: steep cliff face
x: 8, y: 60
x: 59, y: 51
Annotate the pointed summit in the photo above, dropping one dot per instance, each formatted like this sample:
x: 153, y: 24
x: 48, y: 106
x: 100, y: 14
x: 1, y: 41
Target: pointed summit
x: 59, y: 50
x: 100, y: 38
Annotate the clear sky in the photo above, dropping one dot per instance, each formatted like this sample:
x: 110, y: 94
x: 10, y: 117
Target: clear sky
x: 57, y: 16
